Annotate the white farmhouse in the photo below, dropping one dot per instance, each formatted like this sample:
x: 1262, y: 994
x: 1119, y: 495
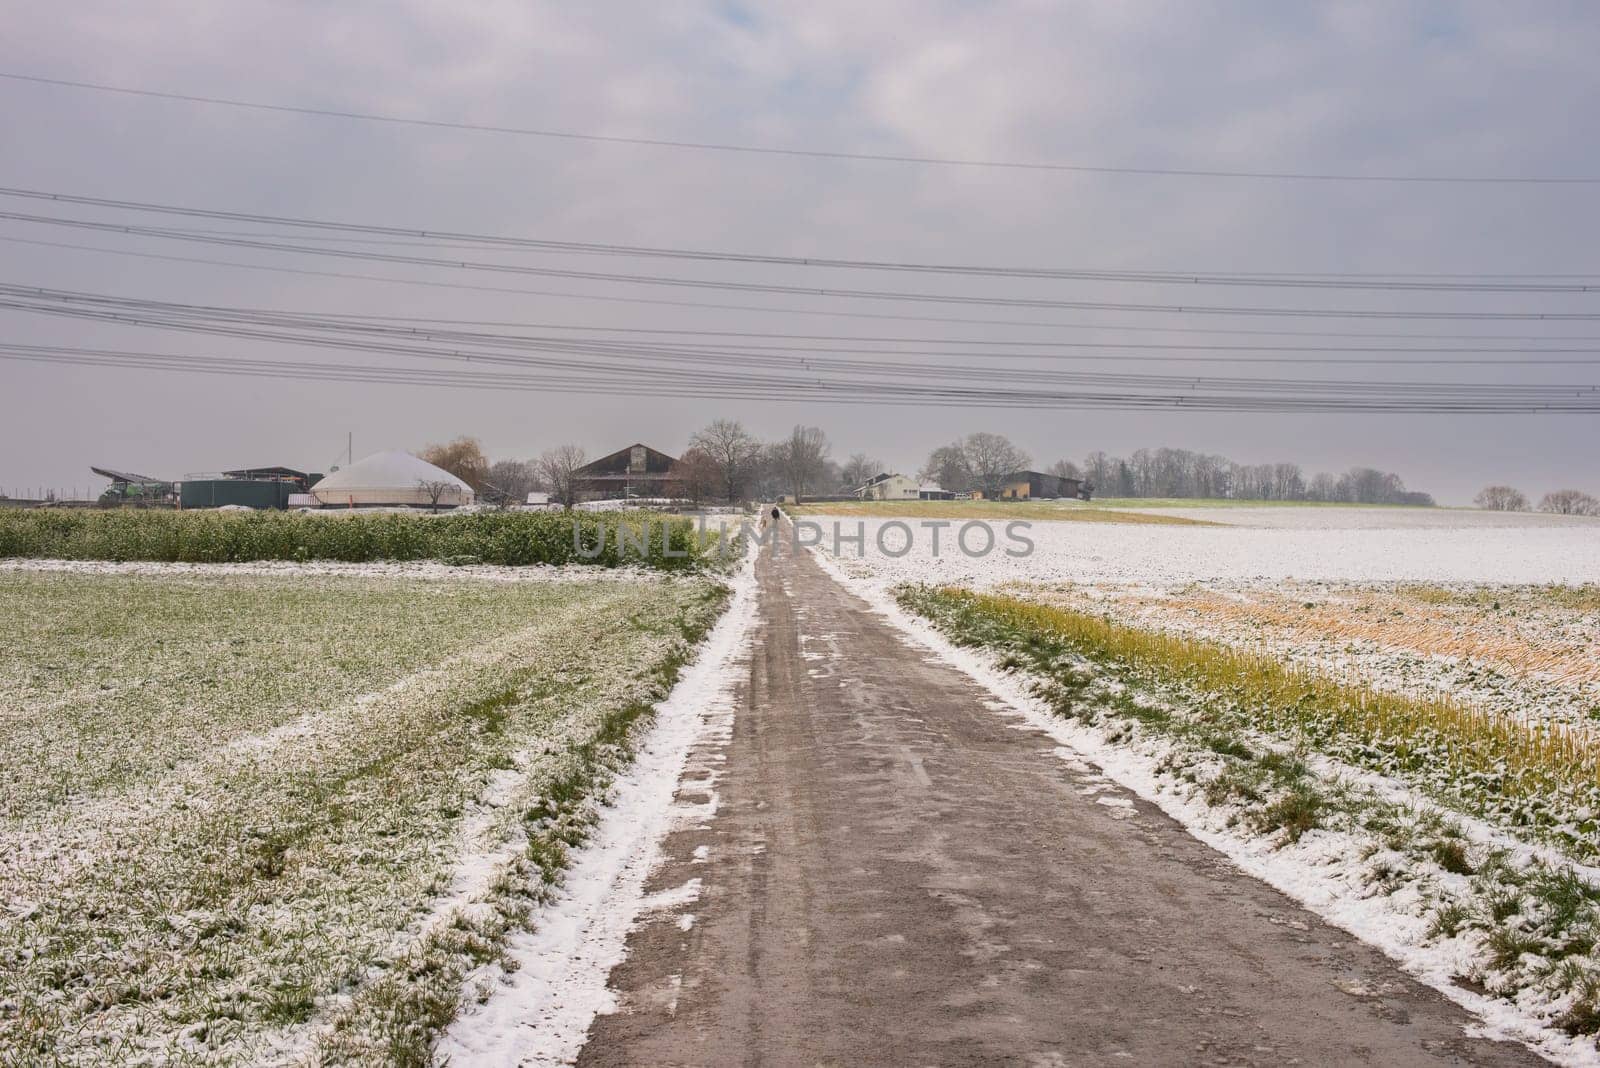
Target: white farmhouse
x: 887, y: 487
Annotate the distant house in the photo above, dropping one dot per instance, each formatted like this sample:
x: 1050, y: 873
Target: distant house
x: 636, y: 471
x: 935, y: 493
x: 1026, y: 485
x: 886, y: 487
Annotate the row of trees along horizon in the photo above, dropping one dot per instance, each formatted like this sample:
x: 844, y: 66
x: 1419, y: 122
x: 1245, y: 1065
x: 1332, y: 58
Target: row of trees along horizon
x: 725, y: 462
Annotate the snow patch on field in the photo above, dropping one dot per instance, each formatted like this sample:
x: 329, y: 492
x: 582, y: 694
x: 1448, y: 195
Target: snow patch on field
x: 1325, y: 872
x: 539, y: 1014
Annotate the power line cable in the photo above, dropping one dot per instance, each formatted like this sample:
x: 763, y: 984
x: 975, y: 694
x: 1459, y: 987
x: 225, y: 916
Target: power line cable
x: 774, y: 310
x: 806, y: 153
x: 430, y: 238
x: 270, y: 325
x: 719, y: 370
x: 806, y: 392
x: 826, y: 292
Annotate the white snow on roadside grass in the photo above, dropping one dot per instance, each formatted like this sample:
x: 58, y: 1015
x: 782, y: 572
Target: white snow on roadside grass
x: 539, y: 1014
x: 1325, y: 872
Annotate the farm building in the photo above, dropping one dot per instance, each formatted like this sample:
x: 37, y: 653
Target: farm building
x: 391, y: 479
x: 301, y: 480
x: 637, y: 471
x: 127, y: 488
x: 1025, y: 485
x: 887, y: 487
x: 249, y: 487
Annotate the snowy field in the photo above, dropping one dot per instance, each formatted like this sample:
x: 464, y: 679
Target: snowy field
x: 1372, y: 517
x: 1273, y: 544
x: 254, y: 816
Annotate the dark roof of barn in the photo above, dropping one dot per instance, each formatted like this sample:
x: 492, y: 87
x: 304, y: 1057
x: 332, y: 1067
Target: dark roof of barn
x: 656, y: 462
x: 1042, y: 474
x: 267, y: 472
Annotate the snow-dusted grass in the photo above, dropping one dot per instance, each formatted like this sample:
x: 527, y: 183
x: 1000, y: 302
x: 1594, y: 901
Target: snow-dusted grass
x: 1505, y: 927
x: 1545, y: 779
x: 1526, y: 653
x: 234, y: 804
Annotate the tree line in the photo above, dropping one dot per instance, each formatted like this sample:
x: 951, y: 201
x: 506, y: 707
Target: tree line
x: 1557, y: 502
x: 1169, y: 472
x: 726, y: 462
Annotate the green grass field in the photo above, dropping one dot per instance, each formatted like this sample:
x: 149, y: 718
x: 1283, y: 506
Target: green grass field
x: 1039, y: 511
x: 227, y: 803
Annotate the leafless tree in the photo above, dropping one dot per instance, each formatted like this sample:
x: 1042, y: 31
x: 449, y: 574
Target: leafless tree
x: 1569, y: 502
x: 558, y: 468
x: 462, y: 457
x: 734, y: 452
x: 1064, y: 469
x: 1323, y: 487
x: 803, y: 459
x: 990, y: 458
x: 434, y: 490
x: 510, y: 481
x: 1169, y: 472
x: 858, y: 469
x: 947, y: 468
x: 1501, y: 499
x: 698, y: 474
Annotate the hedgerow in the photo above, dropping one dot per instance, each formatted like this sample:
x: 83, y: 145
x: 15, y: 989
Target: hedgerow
x: 503, y: 538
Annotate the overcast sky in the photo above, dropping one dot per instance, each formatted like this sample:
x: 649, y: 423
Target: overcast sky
x: 1378, y: 88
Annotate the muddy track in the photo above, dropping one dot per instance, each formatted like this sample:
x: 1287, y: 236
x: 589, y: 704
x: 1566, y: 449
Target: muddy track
x: 898, y: 873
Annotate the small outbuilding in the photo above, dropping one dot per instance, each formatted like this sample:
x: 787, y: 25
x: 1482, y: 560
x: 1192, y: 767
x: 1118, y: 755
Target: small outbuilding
x: 389, y: 480
x: 1025, y: 485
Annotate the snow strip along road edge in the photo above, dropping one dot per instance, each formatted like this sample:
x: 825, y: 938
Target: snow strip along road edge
x: 539, y: 1013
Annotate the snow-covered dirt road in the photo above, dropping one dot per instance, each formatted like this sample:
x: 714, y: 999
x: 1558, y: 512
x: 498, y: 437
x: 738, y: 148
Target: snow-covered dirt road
x: 897, y: 872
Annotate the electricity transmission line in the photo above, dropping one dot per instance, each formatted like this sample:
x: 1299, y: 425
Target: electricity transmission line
x: 432, y: 238
x: 903, y: 296
x: 640, y: 368
x: 802, y: 153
